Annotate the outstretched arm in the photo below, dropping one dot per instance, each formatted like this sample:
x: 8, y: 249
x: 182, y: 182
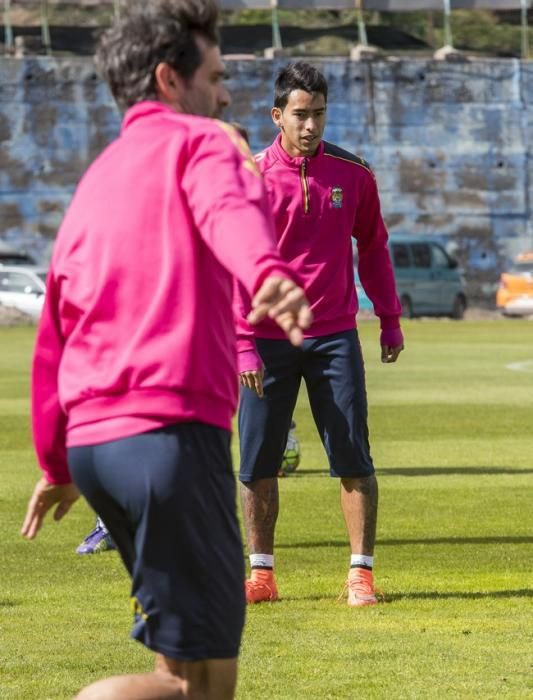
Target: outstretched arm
x: 233, y: 217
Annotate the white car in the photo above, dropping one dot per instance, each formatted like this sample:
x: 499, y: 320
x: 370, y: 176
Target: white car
x: 23, y: 288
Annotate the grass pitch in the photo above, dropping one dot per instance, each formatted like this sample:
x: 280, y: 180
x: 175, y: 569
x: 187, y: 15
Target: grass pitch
x: 451, y: 430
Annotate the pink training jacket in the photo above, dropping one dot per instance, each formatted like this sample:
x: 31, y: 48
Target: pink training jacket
x: 319, y: 203
x: 137, y: 330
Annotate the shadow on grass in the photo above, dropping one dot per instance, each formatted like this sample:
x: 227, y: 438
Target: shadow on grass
x: 436, y: 471
x: 410, y: 541
x: 470, y: 595
x: 422, y: 471
x: 429, y: 595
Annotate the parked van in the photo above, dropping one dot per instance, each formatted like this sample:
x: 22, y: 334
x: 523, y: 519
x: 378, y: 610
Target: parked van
x: 428, y: 280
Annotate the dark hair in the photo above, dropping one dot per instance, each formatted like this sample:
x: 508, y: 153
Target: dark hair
x: 160, y: 31
x: 298, y: 76
x: 239, y: 128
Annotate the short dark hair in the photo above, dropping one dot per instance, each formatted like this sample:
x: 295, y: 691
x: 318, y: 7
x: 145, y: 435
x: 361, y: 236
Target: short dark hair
x: 160, y: 31
x: 241, y: 130
x: 298, y: 76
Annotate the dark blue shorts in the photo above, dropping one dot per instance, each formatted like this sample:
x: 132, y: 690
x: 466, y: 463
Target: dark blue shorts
x: 168, y: 499
x: 332, y: 368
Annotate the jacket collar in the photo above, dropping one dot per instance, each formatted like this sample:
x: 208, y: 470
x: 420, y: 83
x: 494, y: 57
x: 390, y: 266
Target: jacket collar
x: 144, y: 109
x: 294, y: 162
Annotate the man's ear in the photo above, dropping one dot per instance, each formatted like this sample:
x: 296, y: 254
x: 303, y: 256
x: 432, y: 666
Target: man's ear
x: 168, y: 82
x: 277, y: 117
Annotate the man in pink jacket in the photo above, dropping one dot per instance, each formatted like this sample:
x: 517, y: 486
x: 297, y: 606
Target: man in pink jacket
x: 135, y: 373
x: 321, y: 196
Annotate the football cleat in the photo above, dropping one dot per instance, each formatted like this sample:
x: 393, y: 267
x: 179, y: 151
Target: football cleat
x: 261, y: 587
x: 361, y: 591
x: 97, y: 541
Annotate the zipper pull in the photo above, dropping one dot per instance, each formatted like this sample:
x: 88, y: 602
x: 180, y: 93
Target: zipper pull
x: 305, y: 186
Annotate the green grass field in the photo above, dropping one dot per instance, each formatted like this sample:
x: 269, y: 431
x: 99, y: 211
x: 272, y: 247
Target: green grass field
x: 452, y: 435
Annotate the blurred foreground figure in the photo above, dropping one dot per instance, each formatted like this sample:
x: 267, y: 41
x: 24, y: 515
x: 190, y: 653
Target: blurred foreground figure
x: 99, y: 540
x: 135, y: 374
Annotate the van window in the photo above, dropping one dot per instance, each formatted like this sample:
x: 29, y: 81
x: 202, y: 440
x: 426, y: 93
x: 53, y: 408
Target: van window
x: 16, y: 259
x: 17, y: 282
x: 440, y: 258
x: 421, y: 254
x: 400, y: 254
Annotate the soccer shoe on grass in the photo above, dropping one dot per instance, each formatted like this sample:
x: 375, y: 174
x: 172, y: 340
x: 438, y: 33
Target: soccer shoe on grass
x: 99, y: 540
x: 361, y: 591
x: 261, y: 587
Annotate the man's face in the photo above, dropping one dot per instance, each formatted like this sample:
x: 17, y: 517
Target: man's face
x: 302, y: 122
x: 205, y: 93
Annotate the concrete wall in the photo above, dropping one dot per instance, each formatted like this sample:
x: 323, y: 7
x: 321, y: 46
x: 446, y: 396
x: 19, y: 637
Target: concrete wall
x: 449, y: 142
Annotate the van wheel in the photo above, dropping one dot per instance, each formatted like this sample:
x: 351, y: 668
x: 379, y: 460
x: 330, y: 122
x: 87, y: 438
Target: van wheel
x: 459, y: 308
x: 407, y: 306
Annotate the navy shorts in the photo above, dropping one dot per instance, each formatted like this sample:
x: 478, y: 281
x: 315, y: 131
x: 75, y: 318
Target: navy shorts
x: 332, y: 368
x: 168, y: 499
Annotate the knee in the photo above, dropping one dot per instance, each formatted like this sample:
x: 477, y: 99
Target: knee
x: 150, y: 685
x: 89, y: 693
x: 362, y: 484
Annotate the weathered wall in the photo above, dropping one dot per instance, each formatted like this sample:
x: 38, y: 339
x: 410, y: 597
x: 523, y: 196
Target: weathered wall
x: 55, y: 116
x: 449, y: 142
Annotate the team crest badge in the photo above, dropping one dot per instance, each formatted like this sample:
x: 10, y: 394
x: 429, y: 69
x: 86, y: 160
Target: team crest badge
x: 336, y: 197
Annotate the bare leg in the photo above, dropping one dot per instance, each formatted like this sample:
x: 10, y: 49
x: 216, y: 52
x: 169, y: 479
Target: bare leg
x: 214, y: 679
x: 359, y: 502
x: 260, y: 508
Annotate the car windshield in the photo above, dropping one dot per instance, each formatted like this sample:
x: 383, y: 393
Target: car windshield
x: 521, y: 267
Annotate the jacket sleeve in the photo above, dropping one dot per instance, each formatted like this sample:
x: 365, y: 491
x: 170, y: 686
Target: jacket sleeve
x: 375, y: 267
x: 49, y: 422
x: 248, y: 358
x: 229, y: 205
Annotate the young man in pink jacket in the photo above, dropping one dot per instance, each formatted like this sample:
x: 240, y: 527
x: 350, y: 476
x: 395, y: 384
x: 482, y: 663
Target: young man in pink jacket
x: 135, y: 373
x: 321, y: 197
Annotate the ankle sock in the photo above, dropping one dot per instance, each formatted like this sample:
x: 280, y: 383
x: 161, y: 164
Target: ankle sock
x: 262, y: 561
x: 361, y: 561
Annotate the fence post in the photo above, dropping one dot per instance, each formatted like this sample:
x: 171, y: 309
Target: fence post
x: 45, y: 28
x: 363, y: 39
x: 525, y: 29
x: 276, y: 33
x: 448, y: 41
x: 8, y: 29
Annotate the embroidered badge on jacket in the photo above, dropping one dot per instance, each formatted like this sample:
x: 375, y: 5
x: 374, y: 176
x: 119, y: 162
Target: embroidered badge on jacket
x: 336, y: 197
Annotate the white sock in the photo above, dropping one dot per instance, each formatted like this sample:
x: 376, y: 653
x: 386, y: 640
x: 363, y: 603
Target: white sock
x: 100, y: 523
x: 361, y: 561
x: 262, y: 561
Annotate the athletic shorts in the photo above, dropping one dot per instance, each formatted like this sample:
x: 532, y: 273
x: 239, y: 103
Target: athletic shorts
x: 332, y: 368
x: 168, y: 499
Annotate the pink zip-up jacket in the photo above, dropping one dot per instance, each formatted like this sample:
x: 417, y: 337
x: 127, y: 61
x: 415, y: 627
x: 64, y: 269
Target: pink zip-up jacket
x: 319, y: 203
x: 137, y: 329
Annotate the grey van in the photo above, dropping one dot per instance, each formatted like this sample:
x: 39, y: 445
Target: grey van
x: 428, y: 280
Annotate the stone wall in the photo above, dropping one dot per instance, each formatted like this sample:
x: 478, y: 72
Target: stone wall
x: 449, y: 143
